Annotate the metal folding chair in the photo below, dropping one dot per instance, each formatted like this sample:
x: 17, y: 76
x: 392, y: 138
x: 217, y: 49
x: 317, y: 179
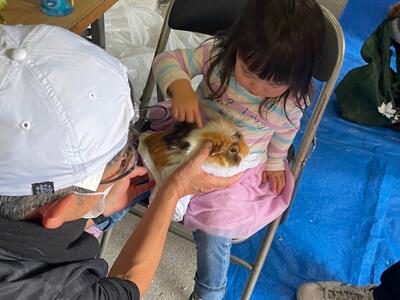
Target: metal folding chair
x: 211, y: 16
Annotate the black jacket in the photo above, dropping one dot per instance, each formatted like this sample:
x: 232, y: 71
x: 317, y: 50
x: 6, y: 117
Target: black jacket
x: 39, y: 263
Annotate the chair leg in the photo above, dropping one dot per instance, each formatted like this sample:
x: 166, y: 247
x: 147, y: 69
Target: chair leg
x: 104, y: 242
x: 261, y: 256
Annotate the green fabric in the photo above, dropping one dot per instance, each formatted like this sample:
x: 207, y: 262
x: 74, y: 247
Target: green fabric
x: 366, y: 88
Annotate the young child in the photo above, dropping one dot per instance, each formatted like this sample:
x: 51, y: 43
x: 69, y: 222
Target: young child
x: 258, y: 75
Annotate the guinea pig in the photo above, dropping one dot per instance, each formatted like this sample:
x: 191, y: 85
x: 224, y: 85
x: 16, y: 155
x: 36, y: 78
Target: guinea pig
x: 177, y: 145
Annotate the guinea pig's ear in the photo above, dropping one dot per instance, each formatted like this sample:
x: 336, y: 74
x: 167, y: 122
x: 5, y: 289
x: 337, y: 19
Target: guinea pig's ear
x: 216, y: 149
x: 237, y: 136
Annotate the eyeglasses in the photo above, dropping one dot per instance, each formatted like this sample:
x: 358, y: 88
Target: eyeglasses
x: 128, y: 162
x: 156, y: 114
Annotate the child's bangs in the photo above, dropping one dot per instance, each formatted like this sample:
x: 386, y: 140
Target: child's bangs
x: 278, y: 63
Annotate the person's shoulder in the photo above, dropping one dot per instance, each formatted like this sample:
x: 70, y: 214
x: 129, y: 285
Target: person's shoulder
x: 111, y: 288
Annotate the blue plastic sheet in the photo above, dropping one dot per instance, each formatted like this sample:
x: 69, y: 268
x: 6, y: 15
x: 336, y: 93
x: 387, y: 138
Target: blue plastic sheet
x: 345, y: 221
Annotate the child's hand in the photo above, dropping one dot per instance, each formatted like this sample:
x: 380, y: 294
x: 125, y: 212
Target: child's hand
x: 276, y: 179
x: 185, y: 102
x: 186, y: 108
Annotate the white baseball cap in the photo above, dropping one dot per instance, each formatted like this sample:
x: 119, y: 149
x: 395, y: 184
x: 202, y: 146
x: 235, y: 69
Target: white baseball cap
x: 65, y: 109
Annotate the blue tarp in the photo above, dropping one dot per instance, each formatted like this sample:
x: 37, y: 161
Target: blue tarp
x: 345, y: 221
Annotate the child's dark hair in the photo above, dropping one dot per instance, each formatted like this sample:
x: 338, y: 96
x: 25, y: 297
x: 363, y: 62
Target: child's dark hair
x: 278, y: 40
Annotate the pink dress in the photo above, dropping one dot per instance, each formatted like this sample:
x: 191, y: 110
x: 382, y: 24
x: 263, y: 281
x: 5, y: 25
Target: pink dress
x: 241, y: 210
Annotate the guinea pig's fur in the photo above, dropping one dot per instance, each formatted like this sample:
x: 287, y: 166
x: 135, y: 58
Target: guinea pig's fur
x: 177, y: 145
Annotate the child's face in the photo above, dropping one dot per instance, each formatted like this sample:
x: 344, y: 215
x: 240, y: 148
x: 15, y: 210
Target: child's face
x: 255, y: 85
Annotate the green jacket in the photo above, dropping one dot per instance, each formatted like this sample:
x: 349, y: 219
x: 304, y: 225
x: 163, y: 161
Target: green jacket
x: 370, y: 94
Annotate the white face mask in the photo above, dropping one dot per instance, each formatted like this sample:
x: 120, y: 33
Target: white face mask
x: 98, y: 209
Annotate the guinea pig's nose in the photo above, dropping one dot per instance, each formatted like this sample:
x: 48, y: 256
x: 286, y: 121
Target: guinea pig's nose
x: 237, y: 159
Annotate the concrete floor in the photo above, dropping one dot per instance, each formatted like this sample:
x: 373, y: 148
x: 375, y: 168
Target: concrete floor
x: 174, y: 279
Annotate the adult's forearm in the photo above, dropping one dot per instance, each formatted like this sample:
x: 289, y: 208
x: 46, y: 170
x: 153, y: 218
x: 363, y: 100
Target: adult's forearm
x: 140, y: 257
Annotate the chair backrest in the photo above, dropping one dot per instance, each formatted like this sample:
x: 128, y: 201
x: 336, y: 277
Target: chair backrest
x: 211, y: 16
x: 206, y: 16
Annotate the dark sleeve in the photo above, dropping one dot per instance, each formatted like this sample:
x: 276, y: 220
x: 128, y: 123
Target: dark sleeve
x: 111, y: 288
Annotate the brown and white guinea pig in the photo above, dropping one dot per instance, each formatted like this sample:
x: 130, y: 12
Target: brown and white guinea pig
x: 177, y: 145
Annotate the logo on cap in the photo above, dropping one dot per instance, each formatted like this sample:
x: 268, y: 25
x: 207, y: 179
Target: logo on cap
x: 43, y: 188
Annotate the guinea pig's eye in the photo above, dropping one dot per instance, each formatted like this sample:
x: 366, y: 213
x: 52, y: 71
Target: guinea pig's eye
x: 233, y: 150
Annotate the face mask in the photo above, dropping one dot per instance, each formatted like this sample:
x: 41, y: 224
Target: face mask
x: 98, y: 209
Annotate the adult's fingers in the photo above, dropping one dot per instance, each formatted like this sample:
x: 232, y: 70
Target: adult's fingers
x: 202, y: 153
x: 190, y: 178
x: 224, y: 182
x: 137, y: 172
x: 141, y: 188
x: 134, y: 175
x: 135, y: 190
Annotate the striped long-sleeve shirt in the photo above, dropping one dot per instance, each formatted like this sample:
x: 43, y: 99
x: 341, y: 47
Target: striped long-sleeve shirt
x: 268, y: 137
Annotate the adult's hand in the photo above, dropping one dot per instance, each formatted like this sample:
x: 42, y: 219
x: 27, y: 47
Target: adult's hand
x: 190, y: 178
x: 125, y: 190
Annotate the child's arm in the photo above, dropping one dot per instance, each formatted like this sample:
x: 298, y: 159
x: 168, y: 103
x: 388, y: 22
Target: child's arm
x: 173, y: 71
x: 277, y: 151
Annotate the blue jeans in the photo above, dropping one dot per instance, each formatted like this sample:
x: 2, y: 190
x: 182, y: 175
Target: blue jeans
x: 213, y: 255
